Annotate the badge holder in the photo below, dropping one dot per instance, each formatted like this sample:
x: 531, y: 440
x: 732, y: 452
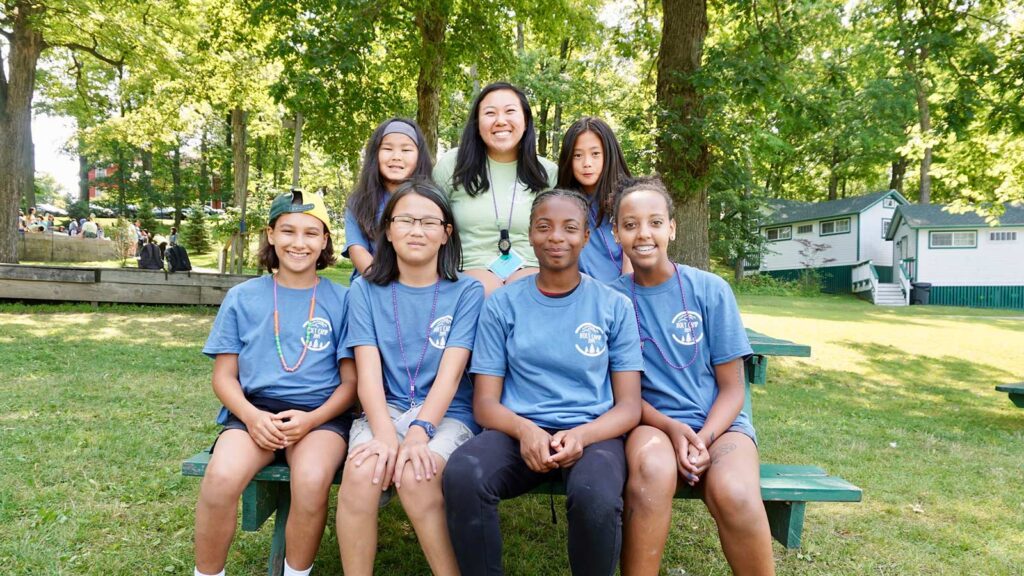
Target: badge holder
x: 504, y: 265
x: 405, y: 420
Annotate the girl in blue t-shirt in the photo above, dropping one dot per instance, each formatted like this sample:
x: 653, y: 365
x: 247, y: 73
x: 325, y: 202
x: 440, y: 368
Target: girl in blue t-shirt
x: 591, y: 162
x: 557, y: 384
x: 412, y: 321
x: 396, y: 152
x: 285, y: 382
x: 693, y: 427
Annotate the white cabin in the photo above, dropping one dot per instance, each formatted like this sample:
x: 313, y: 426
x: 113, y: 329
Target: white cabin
x: 852, y: 231
x: 966, y: 261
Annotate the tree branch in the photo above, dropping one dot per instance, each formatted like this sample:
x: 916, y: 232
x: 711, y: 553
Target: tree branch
x: 94, y: 51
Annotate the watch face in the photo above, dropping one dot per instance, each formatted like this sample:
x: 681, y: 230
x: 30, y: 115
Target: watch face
x: 504, y: 245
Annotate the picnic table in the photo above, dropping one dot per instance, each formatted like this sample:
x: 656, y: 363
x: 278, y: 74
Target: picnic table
x: 785, y: 488
x: 1015, y: 391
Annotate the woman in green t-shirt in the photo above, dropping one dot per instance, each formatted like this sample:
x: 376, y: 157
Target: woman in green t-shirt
x: 491, y: 179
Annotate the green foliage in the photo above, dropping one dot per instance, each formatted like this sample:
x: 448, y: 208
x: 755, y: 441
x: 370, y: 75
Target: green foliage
x: 767, y: 285
x: 121, y: 235
x: 147, y: 221
x: 194, y: 236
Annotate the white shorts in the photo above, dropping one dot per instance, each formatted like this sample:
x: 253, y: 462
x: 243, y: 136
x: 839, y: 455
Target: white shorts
x: 451, y: 433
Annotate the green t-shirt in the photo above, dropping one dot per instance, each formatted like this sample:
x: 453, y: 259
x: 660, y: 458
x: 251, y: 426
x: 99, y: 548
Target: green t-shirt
x: 475, y: 216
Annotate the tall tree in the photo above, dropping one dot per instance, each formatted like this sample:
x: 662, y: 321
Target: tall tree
x: 684, y: 157
x: 17, y: 83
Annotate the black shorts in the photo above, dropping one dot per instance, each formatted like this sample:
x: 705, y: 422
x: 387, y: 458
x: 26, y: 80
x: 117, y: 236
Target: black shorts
x: 339, y: 424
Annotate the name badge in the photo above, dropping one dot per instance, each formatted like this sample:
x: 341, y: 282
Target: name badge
x: 504, y: 265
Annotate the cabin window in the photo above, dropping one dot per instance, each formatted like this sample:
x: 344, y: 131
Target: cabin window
x: 841, y: 226
x: 805, y: 229
x: 886, y: 222
x: 780, y: 233
x: 1002, y: 236
x: 889, y: 203
x: 953, y: 239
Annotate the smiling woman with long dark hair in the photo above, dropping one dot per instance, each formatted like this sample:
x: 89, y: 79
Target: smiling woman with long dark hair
x: 491, y: 179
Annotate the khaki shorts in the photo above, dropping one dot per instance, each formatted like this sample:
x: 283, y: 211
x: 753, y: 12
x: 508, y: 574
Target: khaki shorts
x: 451, y: 433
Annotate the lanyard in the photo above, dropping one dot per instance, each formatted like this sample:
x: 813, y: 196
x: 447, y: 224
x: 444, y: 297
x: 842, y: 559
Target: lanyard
x: 401, y: 346
x: 512, y: 205
x: 607, y: 247
x: 686, y: 318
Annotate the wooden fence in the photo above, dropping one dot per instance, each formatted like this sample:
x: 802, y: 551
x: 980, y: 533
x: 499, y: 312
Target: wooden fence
x: 116, y: 285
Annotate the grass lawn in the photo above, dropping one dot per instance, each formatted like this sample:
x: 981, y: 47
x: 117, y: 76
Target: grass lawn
x: 98, y: 408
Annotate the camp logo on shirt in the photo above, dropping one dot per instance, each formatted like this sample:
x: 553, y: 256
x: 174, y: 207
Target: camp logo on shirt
x: 319, y: 331
x: 592, y: 341
x: 687, y: 328
x: 439, y: 330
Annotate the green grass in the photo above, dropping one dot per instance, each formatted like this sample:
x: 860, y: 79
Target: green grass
x: 98, y: 408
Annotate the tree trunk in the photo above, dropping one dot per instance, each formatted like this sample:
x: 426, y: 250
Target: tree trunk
x: 204, y: 170
x: 240, y: 184
x: 556, y: 124
x: 176, y: 195
x: 924, y: 113
x: 432, y: 21
x: 542, y: 128
x: 147, y: 176
x: 297, y: 151
x: 833, y: 175
x: 16, y: 162
x: 899, y: 170
x: 122, y: 179
x: 83, y: 175
x: 683, y: 155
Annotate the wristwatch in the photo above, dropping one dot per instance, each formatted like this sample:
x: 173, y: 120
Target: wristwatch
x: 504, y: 242
x: 429, y: 428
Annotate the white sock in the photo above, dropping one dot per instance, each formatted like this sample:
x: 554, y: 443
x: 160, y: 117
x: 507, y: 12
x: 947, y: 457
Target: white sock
x: 198, y: 573
x: 289, y: 571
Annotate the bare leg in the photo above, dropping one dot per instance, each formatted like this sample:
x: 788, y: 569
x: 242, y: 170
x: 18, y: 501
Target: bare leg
x: 520, y: 274
x: 235, y: 461
x: 358, y: 503
x: 648, y: 502
x: 313, y: 462
x: 424, y: 505
x: 732, y: 492
x: 490, y: 281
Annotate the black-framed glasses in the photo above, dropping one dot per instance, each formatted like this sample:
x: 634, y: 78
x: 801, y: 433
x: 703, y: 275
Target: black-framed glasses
x: 428, y: 223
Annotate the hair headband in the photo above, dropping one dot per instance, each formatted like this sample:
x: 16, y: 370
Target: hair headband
x: 399, y: 127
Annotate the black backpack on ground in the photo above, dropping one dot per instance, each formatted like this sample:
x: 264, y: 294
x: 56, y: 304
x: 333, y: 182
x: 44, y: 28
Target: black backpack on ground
x: 177, y: 259
x: 150, y: 258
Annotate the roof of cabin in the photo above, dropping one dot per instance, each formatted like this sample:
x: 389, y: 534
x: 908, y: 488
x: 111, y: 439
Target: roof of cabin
x: 781, y: 211
x: 935, y: 215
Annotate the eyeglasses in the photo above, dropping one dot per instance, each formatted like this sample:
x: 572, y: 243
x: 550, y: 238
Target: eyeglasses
x: 429, y: 223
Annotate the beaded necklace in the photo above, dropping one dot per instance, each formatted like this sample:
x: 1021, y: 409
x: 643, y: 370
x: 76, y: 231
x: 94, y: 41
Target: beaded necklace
x: 686, y: 316
x: 401, y: 346
x: 309, y: 328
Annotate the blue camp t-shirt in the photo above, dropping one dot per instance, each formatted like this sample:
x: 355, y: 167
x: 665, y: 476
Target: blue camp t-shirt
x: 354, y: 234
x: 601, y: 257
x: 715, y: 328
x: 371, y: 322
x: 556, y: 354
x: 245, y: 326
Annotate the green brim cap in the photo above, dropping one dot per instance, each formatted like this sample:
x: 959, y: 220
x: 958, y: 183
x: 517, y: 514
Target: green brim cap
x: 298, y: 201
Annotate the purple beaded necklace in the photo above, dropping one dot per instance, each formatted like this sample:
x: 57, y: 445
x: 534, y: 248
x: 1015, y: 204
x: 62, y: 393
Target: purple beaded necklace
x: 686, y: 315
x: 401, y: 346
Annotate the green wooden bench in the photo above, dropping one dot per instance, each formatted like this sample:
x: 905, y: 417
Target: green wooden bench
x: 1016, y: 392
x: 786, y: 489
